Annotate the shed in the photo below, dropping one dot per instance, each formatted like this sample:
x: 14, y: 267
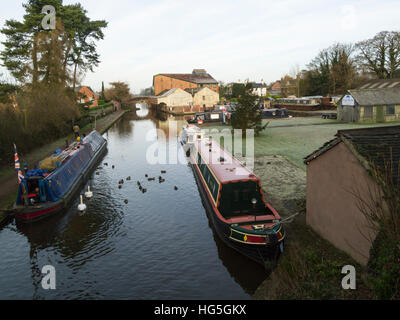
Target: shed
x: 338, y: 175
x: 371, y: 105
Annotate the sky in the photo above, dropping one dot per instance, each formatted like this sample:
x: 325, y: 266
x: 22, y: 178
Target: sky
x: 233, y: 40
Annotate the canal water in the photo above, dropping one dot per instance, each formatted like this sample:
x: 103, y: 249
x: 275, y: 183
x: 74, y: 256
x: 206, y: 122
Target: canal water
x: 159, y: 245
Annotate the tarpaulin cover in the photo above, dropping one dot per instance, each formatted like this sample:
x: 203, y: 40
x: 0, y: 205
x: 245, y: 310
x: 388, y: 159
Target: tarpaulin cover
x: 64, y: 177
x: 62, y: 180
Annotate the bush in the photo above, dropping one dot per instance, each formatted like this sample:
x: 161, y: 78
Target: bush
x: 384, y: 267
x: 44, y: 115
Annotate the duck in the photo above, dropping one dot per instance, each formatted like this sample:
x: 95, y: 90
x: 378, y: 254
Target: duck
x: 151, y: 179
x: 120, y: 186
x: 97, y: 173
x: 163, y: 171
x: 146, y: 175
x: 144, y: 190
x: 175, y: 188
x: 105, y: 163
x: 126, y: 201
x: 140, y: 188
x: 88, y: 193
x: 113, y: 166
x: 128, y: 178
x: 138, y: 183
x: 121, y: 181
x: 82, y: 207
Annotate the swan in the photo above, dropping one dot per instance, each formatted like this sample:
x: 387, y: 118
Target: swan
x: 88, y: 193
x: 82, y: 206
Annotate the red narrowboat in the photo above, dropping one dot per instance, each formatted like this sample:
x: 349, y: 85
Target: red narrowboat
x: 234, y: 199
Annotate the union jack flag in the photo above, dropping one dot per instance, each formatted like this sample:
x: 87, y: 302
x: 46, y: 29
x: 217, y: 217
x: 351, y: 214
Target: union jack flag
x: 18, y: 165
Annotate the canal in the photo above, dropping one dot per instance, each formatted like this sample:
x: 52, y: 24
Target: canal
x: 156, y: 245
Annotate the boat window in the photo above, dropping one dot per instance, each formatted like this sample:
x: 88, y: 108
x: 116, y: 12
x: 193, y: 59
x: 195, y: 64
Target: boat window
x: 237, y: 200
x: 236, y: 195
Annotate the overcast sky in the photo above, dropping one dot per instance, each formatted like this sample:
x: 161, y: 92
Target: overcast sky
x: 231, y: 39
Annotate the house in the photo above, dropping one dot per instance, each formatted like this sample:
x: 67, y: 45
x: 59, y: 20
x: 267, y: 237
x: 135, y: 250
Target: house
x: 260, y: 89
x: 175, y: 100
x: 275, y: 89
x: 199, y: 78
x: 87, y: 95
x: 372, y: 104
x: 204, y: 98
x: 338, y: 176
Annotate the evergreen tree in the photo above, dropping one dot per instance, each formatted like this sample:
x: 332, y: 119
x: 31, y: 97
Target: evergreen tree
x: 103, y: 97
x: 247, y: 113
x: 77, y: 34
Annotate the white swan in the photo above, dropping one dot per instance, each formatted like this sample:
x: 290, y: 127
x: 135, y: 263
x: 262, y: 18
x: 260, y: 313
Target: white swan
x: 82, y: 206
x: 88, y: 193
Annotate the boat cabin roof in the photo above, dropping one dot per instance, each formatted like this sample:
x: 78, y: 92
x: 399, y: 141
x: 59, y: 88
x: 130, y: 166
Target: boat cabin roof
x: 225, y: 167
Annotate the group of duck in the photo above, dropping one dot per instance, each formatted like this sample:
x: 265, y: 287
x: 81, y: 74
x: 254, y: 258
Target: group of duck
x: 140, y: 186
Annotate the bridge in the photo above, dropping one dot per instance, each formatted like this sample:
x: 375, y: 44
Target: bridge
x: 150, y: 100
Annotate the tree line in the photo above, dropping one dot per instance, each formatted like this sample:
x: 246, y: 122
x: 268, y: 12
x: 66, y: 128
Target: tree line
x: 46, y: 66
x: 345, y: 66
x: 341, y: 67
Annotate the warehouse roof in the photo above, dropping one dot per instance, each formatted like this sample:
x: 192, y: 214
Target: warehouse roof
x: 198, y: 76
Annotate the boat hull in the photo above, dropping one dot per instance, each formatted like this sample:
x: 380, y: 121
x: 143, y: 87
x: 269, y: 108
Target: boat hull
x: 260, y: 253
x: 29, y: 214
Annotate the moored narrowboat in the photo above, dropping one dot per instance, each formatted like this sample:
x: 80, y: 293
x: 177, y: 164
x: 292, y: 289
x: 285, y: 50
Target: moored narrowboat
x: 234, y: 199
x: 209, y: 116
x: 47, y: 190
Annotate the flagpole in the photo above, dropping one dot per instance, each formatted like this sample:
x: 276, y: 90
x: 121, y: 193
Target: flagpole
x: 20, y: 174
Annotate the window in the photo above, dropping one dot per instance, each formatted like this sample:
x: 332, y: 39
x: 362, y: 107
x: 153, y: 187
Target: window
x: 390, y: 110
x: 204, y: 98
x: 368, y: 112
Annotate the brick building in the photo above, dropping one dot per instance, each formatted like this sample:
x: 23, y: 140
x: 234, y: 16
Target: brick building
x: 204, y: 98
x: 199, y: 78
x: 86, y: 94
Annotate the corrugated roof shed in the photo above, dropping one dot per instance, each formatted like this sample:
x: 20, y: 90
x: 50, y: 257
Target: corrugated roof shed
x: 380, y: 84
x: 376, y: 97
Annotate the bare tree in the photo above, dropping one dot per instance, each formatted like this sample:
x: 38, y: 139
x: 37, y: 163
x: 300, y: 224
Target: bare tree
x: 381, y: 54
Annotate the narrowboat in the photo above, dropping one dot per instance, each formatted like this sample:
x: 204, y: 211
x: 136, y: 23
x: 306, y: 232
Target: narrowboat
x: 47, y: 190
x: 234, y: 199
x: 210, y: 116
x: 274, y: 113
